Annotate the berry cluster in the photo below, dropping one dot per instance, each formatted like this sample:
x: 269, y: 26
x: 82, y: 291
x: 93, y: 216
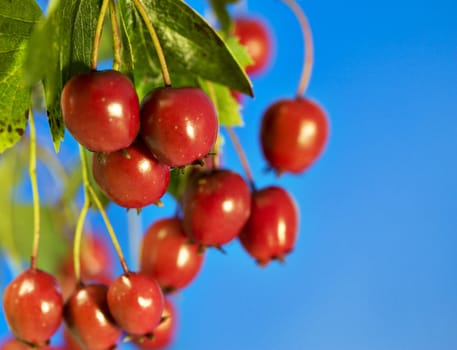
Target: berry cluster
x: 134, y: 145
x: 135, y: 148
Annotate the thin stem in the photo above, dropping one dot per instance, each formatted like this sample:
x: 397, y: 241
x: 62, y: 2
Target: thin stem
x: 110, y: 229
x: 35, y: 194
x: 218, y: 144
x: 241, y: 155
x: 78, y: 236
x: 98, y: 34
x: 81, y: 219
x: 309, y: 47
x: 155, y: 40
x: 99, y: 205
x: 116, y: 35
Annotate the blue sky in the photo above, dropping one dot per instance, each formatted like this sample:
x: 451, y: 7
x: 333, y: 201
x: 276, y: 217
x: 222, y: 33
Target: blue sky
x: 375, y: 267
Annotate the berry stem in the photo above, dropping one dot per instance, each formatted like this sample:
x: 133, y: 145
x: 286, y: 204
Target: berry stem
x: 242, y: 155
x: 80, y: 222
x: 116, y: 36
x: 309, y: 47
x: 98, y: 34
x: 35, y: 194
x: 156, y: 42
x: 78, y: 236
x: 110, y: 229
x: 93, y: 195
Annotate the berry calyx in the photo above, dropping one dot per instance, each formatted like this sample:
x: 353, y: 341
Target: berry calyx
x: 88, y: 318
x: 33, y: 305
x: 271, y: 230
x: 293, y: 134
x: 164, y: 333
x: 101, y: 110
x: 136, y: 302
x: 216, y: 204
x: 131, y: 178
x: 168, y: 256
x: 255, y: 36
x: 178, y: 125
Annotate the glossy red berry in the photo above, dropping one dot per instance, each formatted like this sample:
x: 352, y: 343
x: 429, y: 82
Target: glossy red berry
x: 168, y: 256
x: 136, y: 303
x: 33, y: 305
x: 131, y: 178
x: 165, y: 332
x: 255, y: 36
x: 293, y: 134
x: 271, y: 230
x: 88, y: 318
x: 101, y: 110
x: 179, y: 125
x: 215, y: 205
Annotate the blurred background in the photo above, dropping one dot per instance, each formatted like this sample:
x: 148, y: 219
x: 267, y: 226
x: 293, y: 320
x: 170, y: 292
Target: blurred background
x: 375, y: 266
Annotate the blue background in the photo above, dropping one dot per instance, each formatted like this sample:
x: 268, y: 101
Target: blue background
x: 375, y: 266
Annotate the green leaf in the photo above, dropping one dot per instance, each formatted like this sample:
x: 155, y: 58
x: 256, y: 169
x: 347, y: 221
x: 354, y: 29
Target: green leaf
x: 17, y: 19
x: 60, y: 47
x: 191, y: 47
x: 239, y: 51
x: 139, y: 60
x: 220, y: 10
x: 227, y: 108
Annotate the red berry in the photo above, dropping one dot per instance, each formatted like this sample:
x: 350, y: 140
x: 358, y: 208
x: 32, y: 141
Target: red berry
x: 255, y: 36
x: 271, y: 230
x: 132, y: 178
x: 101, y: 110
x: 33, y: 306
x: 87, y: 316
x: 168, y: 256
x: 216, y: 205
x: 293, y: 134
x: 179, y: 125
x: 164, y: 333
x: 13, y: 344
x: 136, y: 303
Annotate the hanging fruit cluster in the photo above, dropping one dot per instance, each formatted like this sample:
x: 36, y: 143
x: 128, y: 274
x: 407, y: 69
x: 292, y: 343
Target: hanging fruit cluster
x: 150, y: 125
